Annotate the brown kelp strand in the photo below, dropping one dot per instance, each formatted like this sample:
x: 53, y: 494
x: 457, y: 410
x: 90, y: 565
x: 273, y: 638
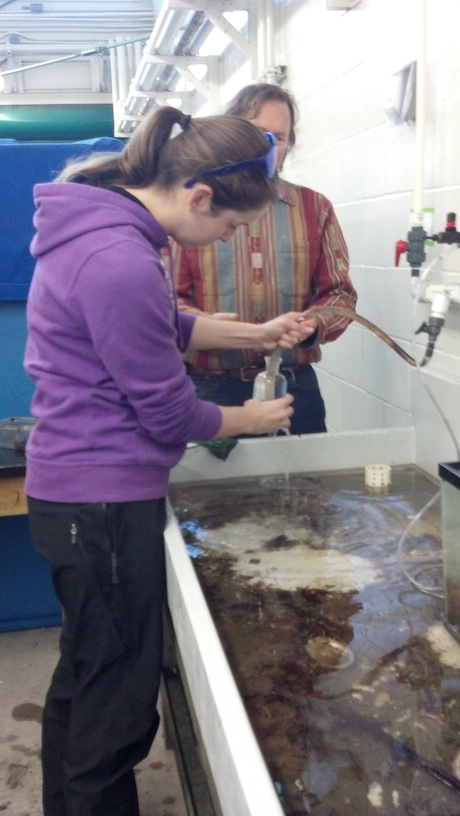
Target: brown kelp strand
x: 339, y: 310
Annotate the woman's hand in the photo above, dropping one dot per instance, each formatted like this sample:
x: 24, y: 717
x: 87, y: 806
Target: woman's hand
x: 256, y: 418
x: 286, y: 331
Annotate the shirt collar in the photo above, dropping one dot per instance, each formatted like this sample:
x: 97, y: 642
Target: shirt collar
x: 283, y: 192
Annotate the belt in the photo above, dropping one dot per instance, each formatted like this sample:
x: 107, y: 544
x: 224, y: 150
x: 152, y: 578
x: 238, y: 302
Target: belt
x: 243, y: 374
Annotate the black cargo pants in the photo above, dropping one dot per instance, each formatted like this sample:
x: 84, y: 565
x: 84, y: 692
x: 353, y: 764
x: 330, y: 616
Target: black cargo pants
x: 100, y: 714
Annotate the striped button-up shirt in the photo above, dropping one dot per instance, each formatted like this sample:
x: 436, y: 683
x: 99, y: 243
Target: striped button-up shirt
x: 292, y: 258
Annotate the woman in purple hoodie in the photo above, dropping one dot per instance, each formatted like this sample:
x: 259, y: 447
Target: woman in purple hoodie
x: 115, y: 410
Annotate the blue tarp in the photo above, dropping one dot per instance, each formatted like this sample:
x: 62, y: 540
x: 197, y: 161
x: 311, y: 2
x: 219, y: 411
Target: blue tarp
x: 22, y: 165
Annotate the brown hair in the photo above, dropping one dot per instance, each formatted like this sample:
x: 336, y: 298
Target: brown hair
x: 154, y: 155
x: 250, y: 99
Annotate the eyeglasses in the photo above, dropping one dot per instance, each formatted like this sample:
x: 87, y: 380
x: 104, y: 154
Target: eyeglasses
x: 269, y: 159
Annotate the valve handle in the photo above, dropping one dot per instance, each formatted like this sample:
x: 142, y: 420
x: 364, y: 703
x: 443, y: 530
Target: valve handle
x: 400, y: 248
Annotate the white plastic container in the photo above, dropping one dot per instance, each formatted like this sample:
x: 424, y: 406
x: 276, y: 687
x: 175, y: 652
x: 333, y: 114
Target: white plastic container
x: 377, y: 477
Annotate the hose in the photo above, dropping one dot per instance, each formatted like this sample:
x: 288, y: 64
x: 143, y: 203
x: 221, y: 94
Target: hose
x: 339, y: 310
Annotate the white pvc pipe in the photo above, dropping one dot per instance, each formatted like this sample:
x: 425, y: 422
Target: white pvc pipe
x: 253, y: 29
x: 123, y: 80
x: 420, y: 113
x: 114, y: 75
x: 270, y: 33
x: 261, y: 39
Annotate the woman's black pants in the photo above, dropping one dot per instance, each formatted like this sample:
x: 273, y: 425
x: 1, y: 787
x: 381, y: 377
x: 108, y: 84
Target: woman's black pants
x: 100, y: 716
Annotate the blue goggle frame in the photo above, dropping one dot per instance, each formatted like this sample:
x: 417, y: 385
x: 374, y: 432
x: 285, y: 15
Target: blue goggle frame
x: 269, y: 159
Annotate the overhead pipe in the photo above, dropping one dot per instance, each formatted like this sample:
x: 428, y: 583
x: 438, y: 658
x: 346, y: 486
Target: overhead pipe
x: 129, y: 56
x: 138, y: 51
x: 270, y: 33
x: 267, y: 69
x: 440, y: 298
x: 261, y: 39
x: 114, y: 75
x: 100, y: 49
x: 415, y: 244
x: 420, y: 121
x: 253, y: 36
x: 122, y: 70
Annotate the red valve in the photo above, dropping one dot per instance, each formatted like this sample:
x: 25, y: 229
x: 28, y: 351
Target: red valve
x: 401, y: 247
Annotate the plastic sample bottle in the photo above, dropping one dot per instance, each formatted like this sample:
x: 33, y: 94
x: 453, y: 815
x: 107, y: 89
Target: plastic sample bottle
x: 270, y: 384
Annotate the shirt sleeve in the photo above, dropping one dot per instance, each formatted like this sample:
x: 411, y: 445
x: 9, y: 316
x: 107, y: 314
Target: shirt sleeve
x: 331, y: 283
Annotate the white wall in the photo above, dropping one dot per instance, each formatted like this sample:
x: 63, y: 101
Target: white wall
x: 339, y: 69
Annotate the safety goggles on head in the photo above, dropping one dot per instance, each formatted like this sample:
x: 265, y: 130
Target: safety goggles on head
x: 269, y: 159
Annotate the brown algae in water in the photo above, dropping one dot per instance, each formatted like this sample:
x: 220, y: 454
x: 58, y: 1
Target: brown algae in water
x: 355, y: 709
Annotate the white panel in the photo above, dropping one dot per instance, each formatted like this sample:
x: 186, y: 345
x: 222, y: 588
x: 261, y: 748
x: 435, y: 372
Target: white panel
x: 239, y: 773
x: 260, y: 457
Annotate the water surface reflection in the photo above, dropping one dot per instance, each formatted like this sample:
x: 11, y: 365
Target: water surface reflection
x: 349, y: 678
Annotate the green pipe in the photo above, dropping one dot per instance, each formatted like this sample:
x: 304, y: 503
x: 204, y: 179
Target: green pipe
x: 58, y: 123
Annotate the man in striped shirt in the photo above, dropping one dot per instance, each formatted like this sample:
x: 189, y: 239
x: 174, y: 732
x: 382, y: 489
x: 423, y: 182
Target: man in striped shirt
x: 293, y: 258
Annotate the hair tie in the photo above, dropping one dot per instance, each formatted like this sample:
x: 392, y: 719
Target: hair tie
x: 179, y: 127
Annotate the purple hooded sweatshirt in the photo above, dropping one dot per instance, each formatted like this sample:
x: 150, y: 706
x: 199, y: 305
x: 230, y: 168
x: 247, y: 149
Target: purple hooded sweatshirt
x: 113, y: 402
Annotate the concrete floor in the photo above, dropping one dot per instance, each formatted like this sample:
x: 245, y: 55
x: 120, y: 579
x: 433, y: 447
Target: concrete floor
x: 27, y: 659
